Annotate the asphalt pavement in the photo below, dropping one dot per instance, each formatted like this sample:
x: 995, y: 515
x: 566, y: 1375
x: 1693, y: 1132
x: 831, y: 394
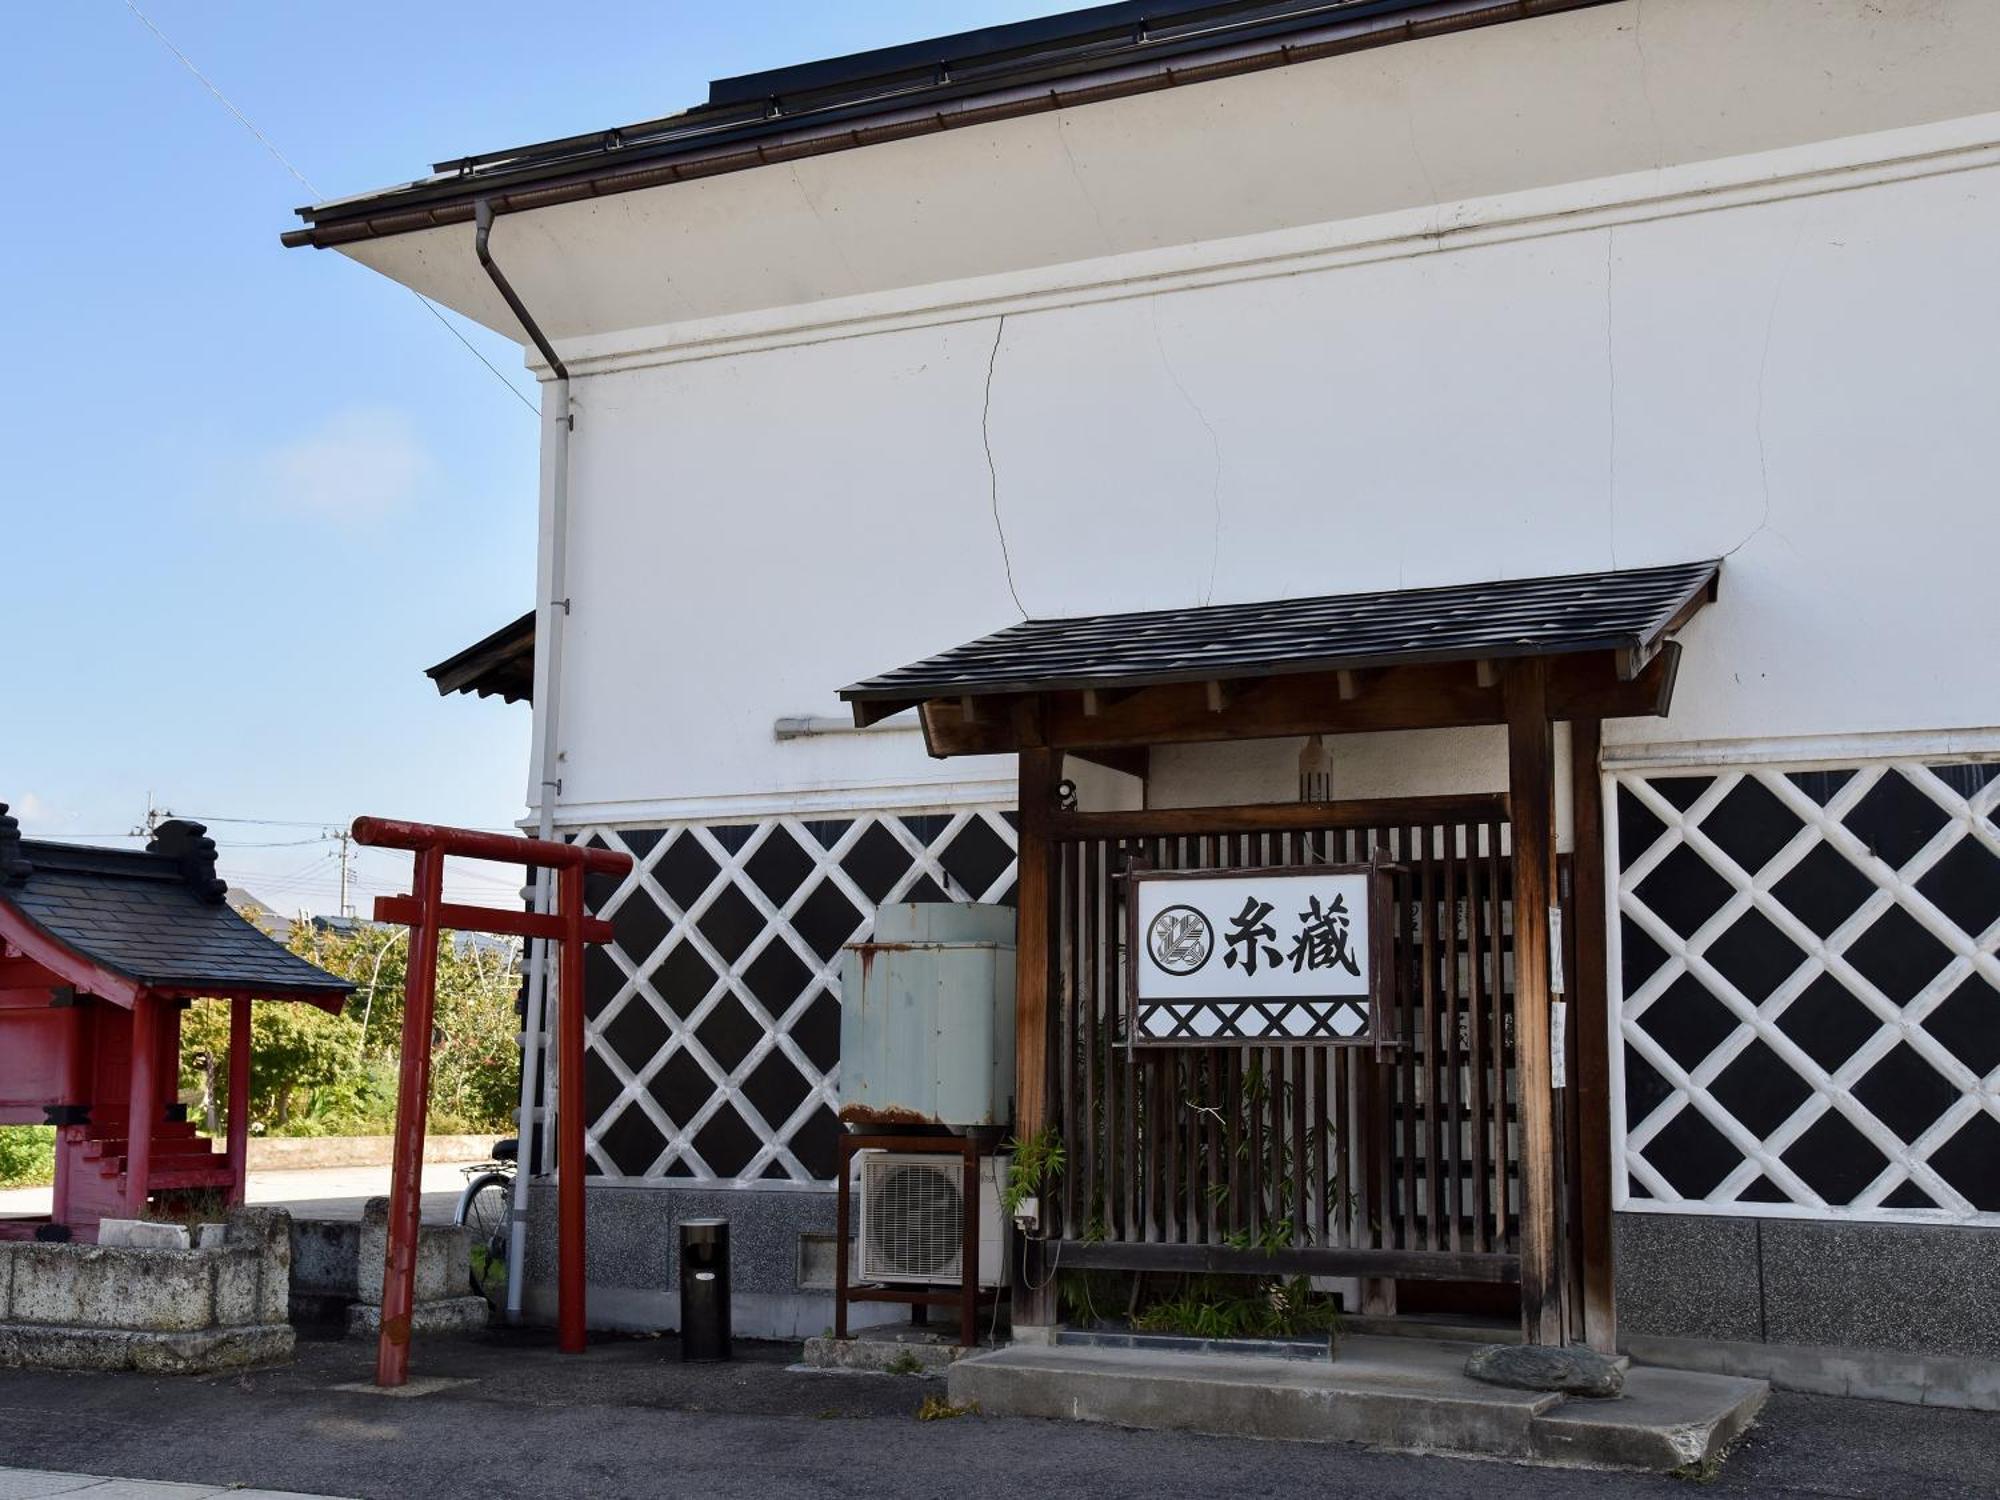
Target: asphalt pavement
x: 504, y: 1414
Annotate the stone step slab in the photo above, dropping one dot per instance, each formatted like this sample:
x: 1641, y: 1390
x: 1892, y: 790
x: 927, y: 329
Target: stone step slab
x: 1400, y: 1394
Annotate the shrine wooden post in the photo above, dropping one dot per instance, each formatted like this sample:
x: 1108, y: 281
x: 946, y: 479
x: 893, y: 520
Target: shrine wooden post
x: 142, y: 1102
x: 239, y: 1095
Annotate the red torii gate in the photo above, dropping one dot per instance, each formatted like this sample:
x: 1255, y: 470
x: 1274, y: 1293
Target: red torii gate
x: 426, y: 913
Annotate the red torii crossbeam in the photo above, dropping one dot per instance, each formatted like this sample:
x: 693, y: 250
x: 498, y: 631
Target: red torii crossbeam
x: 427, y: 914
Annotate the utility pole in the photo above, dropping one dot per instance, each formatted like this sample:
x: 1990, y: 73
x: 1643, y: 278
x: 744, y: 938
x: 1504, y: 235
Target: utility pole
x: 154, y: 817
x: 346, y: 840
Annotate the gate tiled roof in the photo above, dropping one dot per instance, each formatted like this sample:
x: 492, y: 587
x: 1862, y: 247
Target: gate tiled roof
x: 1628, y: 610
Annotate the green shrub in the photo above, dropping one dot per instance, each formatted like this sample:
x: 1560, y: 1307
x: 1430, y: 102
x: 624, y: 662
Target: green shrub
x: 1226, y: 1307
x: 27, y: 1155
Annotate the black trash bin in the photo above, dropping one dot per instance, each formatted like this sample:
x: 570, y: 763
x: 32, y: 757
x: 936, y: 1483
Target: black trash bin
x: 704, y: 1289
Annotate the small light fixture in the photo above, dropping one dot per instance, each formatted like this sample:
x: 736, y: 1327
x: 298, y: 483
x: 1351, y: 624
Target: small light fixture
x: 1315, y: 771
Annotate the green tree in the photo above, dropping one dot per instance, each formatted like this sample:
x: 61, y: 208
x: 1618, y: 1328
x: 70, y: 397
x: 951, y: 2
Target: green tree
x: 316, y: 1074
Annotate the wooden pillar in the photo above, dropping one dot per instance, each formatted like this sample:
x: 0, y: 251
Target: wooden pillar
x: 142, y: 1111
x: 413, y: 1097
x: 239, y: 1098
x: 1531, y: 810
x: 1590, y: 1015
x: 1041, y: 769
x: 78, y: 1054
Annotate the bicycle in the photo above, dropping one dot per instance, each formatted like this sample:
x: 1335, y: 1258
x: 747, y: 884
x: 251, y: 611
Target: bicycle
x: 485, y: 1208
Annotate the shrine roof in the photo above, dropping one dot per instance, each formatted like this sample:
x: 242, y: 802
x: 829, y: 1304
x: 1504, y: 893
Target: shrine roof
x: 151, y: 918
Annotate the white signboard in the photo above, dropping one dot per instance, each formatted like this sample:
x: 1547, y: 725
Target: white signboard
x: 1279, y: 955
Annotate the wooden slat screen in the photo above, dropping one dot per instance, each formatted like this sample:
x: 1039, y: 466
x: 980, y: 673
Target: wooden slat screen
x: 1305, y: 1154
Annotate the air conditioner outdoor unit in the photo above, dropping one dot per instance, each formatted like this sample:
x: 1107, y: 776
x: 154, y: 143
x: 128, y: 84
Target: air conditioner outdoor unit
x: 913, y: 1218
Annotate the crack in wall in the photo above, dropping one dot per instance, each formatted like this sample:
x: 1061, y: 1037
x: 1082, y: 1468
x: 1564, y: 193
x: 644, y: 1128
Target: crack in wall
x: 1215, y: 449
x: 992, y: 469
x: 1423, y: 167
x: 1076, y: 175
x: 1159, y: 345
x: 1646, y: 83
x: 1763, y: 368
x: 832, y: 240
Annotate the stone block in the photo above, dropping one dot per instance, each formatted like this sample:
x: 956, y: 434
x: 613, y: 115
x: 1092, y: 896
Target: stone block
x: 325, y: 1256
x: 444, y: 1315
x: 1402, y: 1394
x: 269, y: 1230
x: 1540, y: 1367
x: 1688, y: 1276
x: 141, y: 1234
x: 239, y: 1275
x: 881, y: 1356
x: 1931, y: 1289
x: 91, y: 1286
x: 155, y: 1353
x: 444, y: 1265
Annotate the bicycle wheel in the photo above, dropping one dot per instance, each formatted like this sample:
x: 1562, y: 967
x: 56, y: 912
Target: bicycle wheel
x: 483, y: 1209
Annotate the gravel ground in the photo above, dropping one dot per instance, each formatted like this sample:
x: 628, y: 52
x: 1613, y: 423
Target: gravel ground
x: 628, y: 1419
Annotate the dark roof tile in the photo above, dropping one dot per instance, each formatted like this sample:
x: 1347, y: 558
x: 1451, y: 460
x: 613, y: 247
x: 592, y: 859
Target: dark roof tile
x: 1629, y: 610
x: 155, y: 915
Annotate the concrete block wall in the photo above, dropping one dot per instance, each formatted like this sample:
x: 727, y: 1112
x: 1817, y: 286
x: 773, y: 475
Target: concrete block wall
x: 1903, y: 1312
x: 631, y: 1251
x: 78, y: 1306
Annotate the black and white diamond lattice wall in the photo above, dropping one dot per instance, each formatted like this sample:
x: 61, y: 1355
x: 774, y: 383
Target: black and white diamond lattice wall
x: 714, y: 1014
x: 1810, y: 999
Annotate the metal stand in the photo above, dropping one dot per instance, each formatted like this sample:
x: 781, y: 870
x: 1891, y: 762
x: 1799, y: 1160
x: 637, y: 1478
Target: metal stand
x: 968, y: 1296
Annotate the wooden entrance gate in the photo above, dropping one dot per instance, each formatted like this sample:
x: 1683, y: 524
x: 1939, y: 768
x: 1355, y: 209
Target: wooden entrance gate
x: 1398, y: 1160
x: 1470, y: 1147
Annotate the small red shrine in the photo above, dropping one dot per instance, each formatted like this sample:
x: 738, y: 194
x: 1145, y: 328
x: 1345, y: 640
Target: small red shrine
x: 100, y: 952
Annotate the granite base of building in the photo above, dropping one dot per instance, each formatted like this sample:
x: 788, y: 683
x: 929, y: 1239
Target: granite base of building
x: 1891, y: 1312
x: 166, y: 1312
x: 1874, y: 1374
x: 781, y: 1248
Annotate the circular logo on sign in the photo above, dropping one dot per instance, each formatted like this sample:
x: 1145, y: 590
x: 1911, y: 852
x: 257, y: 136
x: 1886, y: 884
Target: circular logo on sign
x: 1180, y: 940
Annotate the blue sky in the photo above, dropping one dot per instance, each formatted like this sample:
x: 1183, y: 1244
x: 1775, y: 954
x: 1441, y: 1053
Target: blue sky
x: 252, y: 492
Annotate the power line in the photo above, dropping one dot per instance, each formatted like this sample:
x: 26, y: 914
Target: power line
x: 306, y: 182
x: 267, y: 822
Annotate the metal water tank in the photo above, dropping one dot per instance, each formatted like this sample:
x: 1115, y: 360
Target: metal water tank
x: 927, y: 1018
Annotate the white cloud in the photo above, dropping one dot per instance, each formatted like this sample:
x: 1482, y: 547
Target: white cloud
x: 358, y: 466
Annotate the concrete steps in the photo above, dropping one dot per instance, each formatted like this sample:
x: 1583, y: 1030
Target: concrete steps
x: 1406, y: 1394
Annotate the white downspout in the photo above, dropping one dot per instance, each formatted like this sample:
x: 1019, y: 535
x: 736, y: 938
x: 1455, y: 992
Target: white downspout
x: 552, y: 613
x: 551, y: 616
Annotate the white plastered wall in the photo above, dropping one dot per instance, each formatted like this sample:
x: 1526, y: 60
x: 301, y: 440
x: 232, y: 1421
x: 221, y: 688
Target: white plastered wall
x: 1628, y: 286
